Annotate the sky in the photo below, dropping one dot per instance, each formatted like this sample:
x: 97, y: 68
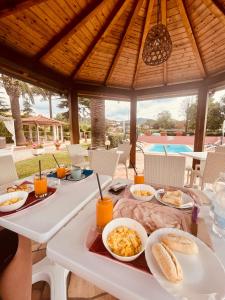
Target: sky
x: 120, y: 110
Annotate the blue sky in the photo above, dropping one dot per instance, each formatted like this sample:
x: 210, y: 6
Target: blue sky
x: 120, y: 110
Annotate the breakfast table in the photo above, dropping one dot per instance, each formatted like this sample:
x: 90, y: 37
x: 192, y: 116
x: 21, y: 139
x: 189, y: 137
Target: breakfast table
x: 43, y: 220
x: 71, y: 251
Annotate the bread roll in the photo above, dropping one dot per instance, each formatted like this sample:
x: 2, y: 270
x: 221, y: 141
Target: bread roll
x: 167, y: 262
x: 180, y: 243
x: 173, y: 197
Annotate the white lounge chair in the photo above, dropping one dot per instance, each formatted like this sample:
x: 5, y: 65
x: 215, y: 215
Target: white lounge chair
x: 165, y: 170
x: 214, y: 164
x: 77, y: 155
x: 7, y: 169
x: 103, y: 161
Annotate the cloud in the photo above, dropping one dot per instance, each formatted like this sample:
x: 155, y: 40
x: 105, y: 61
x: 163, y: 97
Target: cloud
x: 117, y: 110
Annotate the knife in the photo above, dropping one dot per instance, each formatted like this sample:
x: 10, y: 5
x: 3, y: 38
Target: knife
x: 194, y: 218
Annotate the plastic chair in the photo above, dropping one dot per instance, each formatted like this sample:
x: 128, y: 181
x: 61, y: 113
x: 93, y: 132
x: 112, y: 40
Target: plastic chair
x: 125, y: 154
x: 103, y: 161
x: 214, y: 164
x: 7, y: 169
x: 54, y: 275
x: 165, y: 170
x: 77, y: 154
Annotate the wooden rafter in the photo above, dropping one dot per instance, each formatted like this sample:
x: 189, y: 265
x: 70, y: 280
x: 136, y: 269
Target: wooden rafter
x: 145, y: 32
x: 8, y: 8
x: 129, y: 26
x: 109, y: 23
x: 164, y: 22
x: 216, y: 8
x: 74, y: 25
x: 191, y: 36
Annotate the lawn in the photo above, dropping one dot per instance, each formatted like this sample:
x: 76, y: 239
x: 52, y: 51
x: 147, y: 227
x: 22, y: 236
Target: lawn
x: 30, y: 166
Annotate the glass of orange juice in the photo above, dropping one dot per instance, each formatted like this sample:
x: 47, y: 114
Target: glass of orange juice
x: 104, y: 212
x: 139, y: 179
x: 40, y: 186
x: 61, y: 171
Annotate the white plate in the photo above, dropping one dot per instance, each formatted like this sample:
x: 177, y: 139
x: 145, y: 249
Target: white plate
x: 144, y: 187
x: 188, y: 202
x: 19, y: 194
x: 204, y: 275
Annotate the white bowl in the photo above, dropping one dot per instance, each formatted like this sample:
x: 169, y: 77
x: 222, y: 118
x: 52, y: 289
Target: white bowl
x: 19, y: 194
x: 144, y: 187
x: 130, y: 223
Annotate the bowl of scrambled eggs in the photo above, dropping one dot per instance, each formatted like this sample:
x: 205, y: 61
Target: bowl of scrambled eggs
x: 12, y: 201
x: 142, y: 192
x: 124, y: 238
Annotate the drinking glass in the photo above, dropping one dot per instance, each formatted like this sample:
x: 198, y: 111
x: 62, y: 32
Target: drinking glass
x: 61, y: 171
x: 40, y: 186
x: 104, y: 212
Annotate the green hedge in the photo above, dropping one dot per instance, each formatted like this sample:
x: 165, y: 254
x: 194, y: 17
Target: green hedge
x: 115, y: 140
x: 5, y: 133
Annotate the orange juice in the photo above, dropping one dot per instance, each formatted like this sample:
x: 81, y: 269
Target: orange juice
x: 139, y: 179
x: 40, y: 186
x: 61, y: 172
x: 104, y: 212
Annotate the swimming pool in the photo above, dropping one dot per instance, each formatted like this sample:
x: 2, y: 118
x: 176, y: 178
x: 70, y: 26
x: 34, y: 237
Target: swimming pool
x: 173, y: 148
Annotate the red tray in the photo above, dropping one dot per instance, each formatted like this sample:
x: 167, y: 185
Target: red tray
x: 99, y: 248
x: 31, y: 200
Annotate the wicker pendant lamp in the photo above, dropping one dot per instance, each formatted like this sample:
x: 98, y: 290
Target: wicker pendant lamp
x: 158, y: 44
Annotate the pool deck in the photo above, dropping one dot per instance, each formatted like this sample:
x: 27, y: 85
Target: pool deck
x: 182, y: 140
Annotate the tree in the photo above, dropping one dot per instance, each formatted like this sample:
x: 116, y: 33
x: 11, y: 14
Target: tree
x: 27, y: 107
x: 164, y: 121
x: 97, y: 107
x: 189, y: 109
x: 84, y: 107
x: 16, y: 89
x: 215, y: 115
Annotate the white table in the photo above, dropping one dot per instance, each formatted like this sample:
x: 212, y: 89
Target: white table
x: 195, y: 155
x: 42, y: 221
x: 70, y: 251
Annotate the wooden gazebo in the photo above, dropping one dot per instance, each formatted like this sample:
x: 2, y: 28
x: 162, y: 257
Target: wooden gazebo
x: 94, y: 47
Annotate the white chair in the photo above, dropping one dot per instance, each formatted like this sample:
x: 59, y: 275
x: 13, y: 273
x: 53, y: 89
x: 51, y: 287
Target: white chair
x: 214, y: 164
x: 165, y: 170
x: 124, y: 155
x: 103, y: 161
x: 7, y: 169
x: 220, y: 149
x: 77, y: 155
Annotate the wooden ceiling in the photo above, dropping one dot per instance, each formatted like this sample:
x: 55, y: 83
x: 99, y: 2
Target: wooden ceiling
x: 101, y: 41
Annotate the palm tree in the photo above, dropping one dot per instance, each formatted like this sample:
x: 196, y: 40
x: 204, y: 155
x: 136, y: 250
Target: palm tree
x: 14, y: 89
x: 97, y: 107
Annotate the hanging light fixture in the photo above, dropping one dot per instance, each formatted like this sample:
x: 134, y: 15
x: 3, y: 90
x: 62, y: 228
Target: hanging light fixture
x: 158, y: 44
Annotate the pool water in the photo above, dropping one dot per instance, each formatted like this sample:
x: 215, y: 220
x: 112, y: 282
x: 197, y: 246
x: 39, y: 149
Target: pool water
x: 174, y: 148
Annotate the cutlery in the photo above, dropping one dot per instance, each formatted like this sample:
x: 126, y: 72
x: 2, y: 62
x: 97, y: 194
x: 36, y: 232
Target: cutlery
x: 194, y: 218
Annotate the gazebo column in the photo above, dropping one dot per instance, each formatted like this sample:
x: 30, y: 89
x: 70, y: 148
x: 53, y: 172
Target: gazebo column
x: 57, y: 132
x: 74, y: 117
x: 61, y: 133
x: 133, y: 129
x: 30, y: 133
x: 54, y: 132
x: 38, y: 134
x: 201, y: 119
x: 45, y: 133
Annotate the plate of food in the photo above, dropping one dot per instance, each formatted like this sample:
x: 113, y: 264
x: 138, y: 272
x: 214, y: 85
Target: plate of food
x: 20, y: 186
x: 175, y: 198
x: 184, y: 265
x: 12, y: 201
x: 124, y: 238
x: 142, y: 192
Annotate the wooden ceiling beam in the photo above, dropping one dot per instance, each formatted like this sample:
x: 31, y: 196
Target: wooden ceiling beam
x: 130, y: 23
x: 216, y: 9
x: 62, y: 36
x: 145, y: 32
x: 18, y: 65
x: 164, y: 22
x: 109, y: 23
x: 10, y: 7
x: 191, y: 36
